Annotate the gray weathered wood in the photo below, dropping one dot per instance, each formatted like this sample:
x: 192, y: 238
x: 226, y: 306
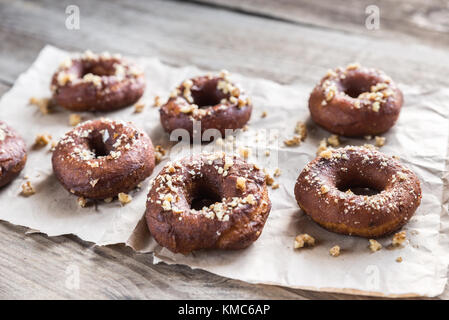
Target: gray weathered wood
x: 314, y: 37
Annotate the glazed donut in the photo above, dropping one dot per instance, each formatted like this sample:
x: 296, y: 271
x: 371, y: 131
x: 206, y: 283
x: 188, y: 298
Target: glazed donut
x: 209, y: 200
x: 215, y: 102
x: 355, y: 101
x: 13, y: 155
x: 98, y: 159
x: 97, y: 83
x: 320, y: 191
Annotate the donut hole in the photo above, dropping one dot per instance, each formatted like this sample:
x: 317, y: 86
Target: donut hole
x: 203, y: 195
x: 98, y: 70
x: 357, y: 84
x: 360, y: 185
x: 98, y: 146
x: 206, y: 94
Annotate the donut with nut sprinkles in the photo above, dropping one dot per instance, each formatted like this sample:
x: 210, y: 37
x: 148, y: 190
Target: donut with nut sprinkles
x: 13, y: 154
x: 213, y: 101
x: 356, y: 101
x: 99, y: 159
x: 95, y: 82
x: 324, y: 190
x: 210, y: 200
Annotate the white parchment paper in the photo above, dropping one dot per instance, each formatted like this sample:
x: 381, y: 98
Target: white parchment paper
x: 420, y: 139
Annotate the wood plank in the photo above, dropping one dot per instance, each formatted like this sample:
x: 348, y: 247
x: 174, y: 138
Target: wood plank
x: 179, y: 34
x: 413, y: 20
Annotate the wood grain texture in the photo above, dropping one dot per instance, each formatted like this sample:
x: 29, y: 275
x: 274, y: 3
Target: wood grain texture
x: 410, y: 20
x: 278, y: 43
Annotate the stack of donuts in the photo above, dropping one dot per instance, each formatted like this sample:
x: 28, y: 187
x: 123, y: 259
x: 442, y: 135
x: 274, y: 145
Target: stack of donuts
x: 219, y: 200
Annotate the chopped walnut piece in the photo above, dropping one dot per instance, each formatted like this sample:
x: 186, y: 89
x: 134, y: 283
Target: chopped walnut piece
x: 380, y: 141
x: 374, y: 245
x: 264, y: 114
x: 295, y: 141
x: 138, y: 108
x: 324, y: 189
x: 275, y: 186
x: 244, y: 152
x: 277, y: 172
x: 42, y: 103
x: 159, y: 153
x: 157, y: 101
x: 27, y: 189
x: 269, y: 180
x: 322, y: 146
x: 301, y: 130
x: 334, y: 251
x: 74, y: 119
x: 399, y: 259
x: 82, y: 202
x: 333, y: 140
x: 124, y: 198
x: 304, y: 240
x: 241, y: 183
x: 327, y: 154
x: 399, y: 239
x: 42, y: 140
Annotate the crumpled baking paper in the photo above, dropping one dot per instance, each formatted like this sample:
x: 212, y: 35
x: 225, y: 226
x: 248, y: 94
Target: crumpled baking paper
x: 420, y: 139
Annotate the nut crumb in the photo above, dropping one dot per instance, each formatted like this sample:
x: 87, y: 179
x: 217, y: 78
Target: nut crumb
x: 327, y: 154
x: 333, y: 140
x: 82, y: 202
x: 295, y: 141
x: 159, y: 153
x: 244, y: 152
x: 27, y: 189
x: 42, y: 140
x: 322, y: 146
x: 269, y: 180
x: 374, y: 245
x: 399, y: 259
x: 275, y: 186
x: 157, y: 101
x: 334, y: 251
x: 277, y: 172
x: 264, y: 114
x: 304, y: 240
x: 74, y: 119
x: 138, y: 108
x: 399, y: 239
x: 124, y: 198
x: 380, y: 141
x: 324, y: 189
x: 42, y: 103
x: 108, y: 200
x: 241, y: 183
x: 301, y: 130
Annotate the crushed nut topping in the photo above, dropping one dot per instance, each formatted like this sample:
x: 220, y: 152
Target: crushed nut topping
x: 399, y: 238
x: 82, y: 202
x: 27, y: 189
x: 304, y: 240
x: 157, y: 101
x: 399, y: 259
x: 42, y: 103
x: 333, y: 140
x: 159, y: 153
x: 124, y: 198
x: 322, y: 146
x: 380, y: 141
x: 74, y: 119
x: 374, y: 245
x: 335, y: 251
x: 241, y: 183
x: 42, y: 140
x: 138, y: 108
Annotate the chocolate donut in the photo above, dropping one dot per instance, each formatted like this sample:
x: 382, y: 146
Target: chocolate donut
x: 320, y: 191
x: 97, y: 83
x: 100, y: 158
x: 355, y: 101
x: 215, y: 102
x: 207, y: 201
x: 13, y: 154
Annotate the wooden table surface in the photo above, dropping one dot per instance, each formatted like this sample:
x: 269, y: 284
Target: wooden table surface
x: 285, y: 40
